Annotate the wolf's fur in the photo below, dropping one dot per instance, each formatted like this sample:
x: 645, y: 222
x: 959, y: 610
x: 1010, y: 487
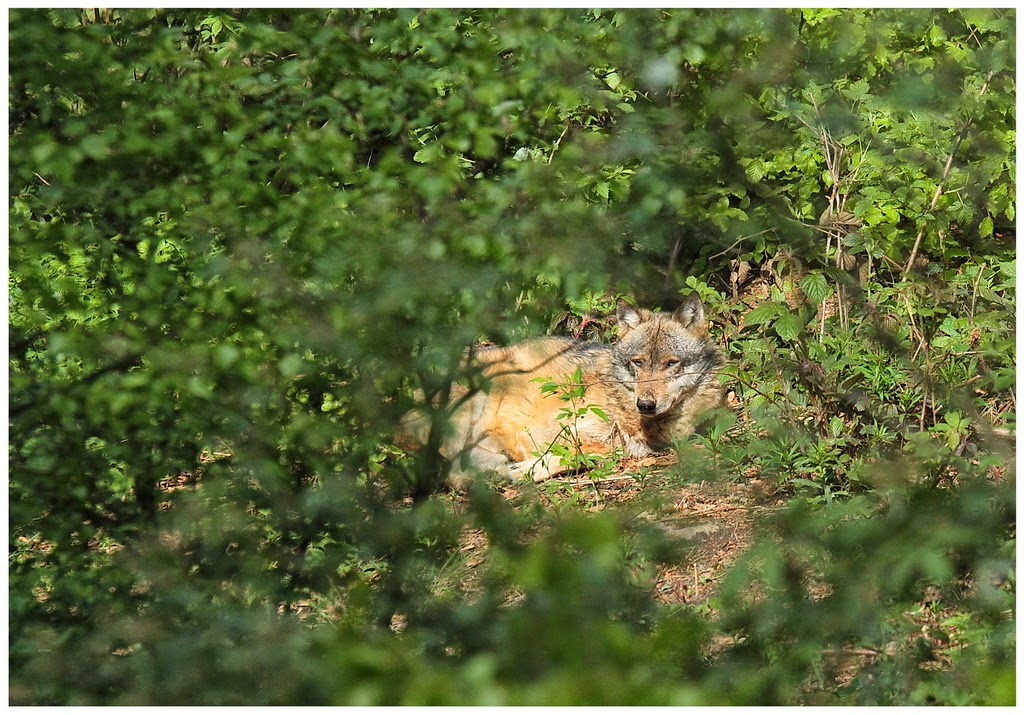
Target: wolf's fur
x: 652, y: 384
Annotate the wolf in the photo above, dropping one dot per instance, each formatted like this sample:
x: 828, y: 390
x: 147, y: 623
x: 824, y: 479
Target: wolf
x: 641, y: 393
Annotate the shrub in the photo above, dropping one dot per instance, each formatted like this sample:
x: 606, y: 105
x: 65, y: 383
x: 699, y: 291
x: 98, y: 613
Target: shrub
x: 244, y: 242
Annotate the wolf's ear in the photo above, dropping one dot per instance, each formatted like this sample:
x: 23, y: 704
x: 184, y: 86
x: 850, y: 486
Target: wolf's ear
x: 628, y: 316
x: 690, y: 314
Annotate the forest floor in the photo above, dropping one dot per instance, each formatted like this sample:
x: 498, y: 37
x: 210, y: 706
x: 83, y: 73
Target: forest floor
x: 713, y: 520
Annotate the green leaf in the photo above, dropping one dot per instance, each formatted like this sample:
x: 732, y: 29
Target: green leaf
x: 985, y: 227
x: 815, y: 287
x: 765, y: 313
x: 789, y: 326
x: 755, y: 169
x: 290, y: 365
x: 429, y: 153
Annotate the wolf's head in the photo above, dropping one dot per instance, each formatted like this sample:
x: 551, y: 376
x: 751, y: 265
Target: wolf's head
x: 662, y: 359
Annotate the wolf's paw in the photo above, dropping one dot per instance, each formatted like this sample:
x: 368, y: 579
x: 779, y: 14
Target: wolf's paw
x: 530, y: 469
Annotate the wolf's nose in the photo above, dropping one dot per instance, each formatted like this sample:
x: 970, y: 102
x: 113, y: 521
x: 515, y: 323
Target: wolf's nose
x: 646, y: 407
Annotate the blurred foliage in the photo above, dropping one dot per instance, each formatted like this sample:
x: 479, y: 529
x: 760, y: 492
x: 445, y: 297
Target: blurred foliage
x: 241, y: 240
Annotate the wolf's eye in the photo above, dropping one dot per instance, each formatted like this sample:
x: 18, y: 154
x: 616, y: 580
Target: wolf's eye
x: 636, y: 362
x: 671, y: 362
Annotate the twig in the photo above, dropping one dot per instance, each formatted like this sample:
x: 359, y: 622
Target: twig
x: 913, y: 328
x: 673, y: 257
x: 974, y: 294
x: 738, y: 241
x: 706, y: 511
x: 568, y: 123
x: 866, y: 652
x: 586, y: 480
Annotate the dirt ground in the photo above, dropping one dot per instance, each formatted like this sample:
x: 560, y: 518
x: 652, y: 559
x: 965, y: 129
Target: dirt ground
x: 715, y: 519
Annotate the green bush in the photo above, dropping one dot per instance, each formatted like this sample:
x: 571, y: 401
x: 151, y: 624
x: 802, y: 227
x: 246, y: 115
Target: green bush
x: 242, y: 242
